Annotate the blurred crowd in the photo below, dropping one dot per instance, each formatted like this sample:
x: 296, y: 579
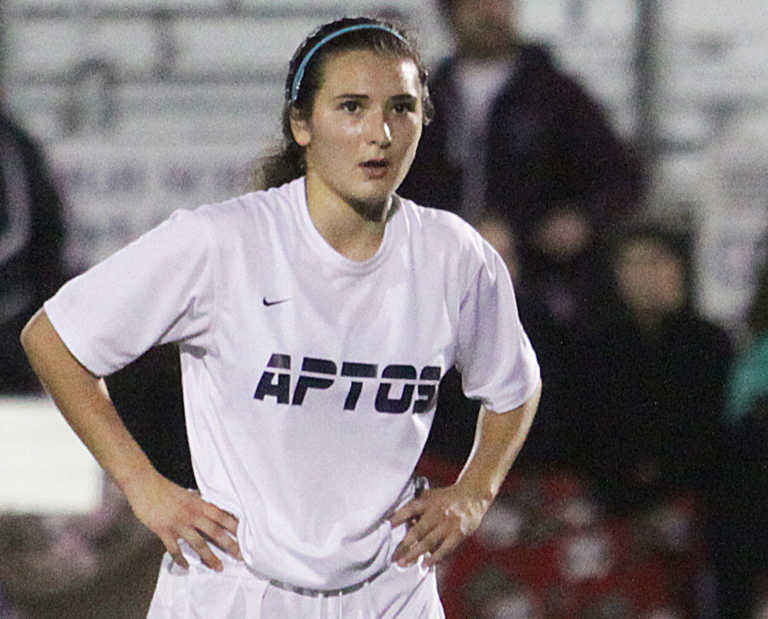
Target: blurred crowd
x: 642, y: 486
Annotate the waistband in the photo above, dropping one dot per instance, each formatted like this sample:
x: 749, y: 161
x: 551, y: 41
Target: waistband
x: 306, y: 591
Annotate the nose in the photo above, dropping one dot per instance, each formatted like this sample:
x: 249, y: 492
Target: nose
x: 379, y: 131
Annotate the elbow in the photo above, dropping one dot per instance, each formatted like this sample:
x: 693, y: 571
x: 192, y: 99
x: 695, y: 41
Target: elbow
x: 533, y: 401
x: 34, y: 335
x: 27, y: 335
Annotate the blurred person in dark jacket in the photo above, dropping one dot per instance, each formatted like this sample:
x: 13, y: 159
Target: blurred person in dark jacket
x: 652, y: 378
x: 31, y: 247
x: 653, y: 375
x: 515, y: 134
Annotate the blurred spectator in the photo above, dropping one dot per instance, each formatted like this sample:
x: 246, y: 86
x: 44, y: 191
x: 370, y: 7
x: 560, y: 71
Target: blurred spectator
x: 31, y: 247
x: 745, y: 539
x: 653, y: 376
x: 514, y: 134
x: 554, y: 441
x: 653, y: 379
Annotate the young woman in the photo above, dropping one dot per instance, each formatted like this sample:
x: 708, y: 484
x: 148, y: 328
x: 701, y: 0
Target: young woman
x: 315, y: 320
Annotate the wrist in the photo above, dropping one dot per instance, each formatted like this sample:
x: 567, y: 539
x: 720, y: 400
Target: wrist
x: 136, y: 480
x: 479, y: 490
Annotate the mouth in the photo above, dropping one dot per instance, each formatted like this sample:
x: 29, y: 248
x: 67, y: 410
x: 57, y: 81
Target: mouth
x: 375, y: 168
x: 375, y: 163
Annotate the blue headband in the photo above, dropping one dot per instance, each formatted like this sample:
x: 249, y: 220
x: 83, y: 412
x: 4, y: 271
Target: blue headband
x: 305, y: 61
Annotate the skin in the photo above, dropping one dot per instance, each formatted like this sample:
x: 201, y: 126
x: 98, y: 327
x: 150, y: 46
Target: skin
x: 441, y: 519
x: 367, y: 110
x: 166, y: 509
x: 360, y: 141
x: 483, y: 28
x: 563, y: 234
x: 651, y: 280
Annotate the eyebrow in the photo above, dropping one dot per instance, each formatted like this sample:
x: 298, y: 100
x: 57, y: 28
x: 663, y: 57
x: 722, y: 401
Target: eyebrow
x: 405, y: 97
x: 397, y: 98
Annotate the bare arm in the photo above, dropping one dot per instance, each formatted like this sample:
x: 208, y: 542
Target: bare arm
x: 444, y: 517
x: 170, y: 511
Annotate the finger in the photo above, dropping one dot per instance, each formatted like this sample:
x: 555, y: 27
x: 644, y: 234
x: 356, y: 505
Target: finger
x: 412, y: 509
x: 203, y: 550
x: 445, y: 548
x: 223, y: 518
x: 215, y: 533
x: 414, y: 536
x: 426, y: 544
x: 174, y: 549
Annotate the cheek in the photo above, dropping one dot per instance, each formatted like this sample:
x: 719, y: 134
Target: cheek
x: 341, y: 138
x: 418, y: 127
x: 351, y: 130
x: 338, y: 128
x: 412, y: 132
x: 329, y: 132
x: 629, y: 282
x: 671, y: 281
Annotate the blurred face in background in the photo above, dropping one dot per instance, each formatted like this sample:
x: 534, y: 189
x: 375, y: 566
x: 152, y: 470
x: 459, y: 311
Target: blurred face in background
x: 483, y: 28
x: 651, y: 279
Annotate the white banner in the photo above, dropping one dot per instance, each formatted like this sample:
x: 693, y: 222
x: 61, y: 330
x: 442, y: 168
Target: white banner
x: 44, y: 467
x: 115, y: 192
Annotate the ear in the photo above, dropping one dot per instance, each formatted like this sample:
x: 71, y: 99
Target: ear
x: 300, y: 128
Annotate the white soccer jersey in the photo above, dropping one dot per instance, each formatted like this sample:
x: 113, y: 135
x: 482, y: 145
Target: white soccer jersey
x: 309, y: 379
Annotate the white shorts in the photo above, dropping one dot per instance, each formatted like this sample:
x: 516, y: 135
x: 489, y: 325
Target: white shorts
x: 236, y: 593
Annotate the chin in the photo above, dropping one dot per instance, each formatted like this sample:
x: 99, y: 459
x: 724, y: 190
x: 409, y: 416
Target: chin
x: 370, y: 209
x: 370, y: 205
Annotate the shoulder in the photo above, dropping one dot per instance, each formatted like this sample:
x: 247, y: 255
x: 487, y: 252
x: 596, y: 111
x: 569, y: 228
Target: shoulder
x: 442, y: 237
x: 253, y: 211
x: 704, y: 327
x: 441, y: 227
x: 539, y: 66
x: 722, y: 343
x: 713, y: 341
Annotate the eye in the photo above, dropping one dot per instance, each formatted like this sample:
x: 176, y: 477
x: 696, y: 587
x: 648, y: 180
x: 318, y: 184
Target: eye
x: 404, y: 107
x: 349, y: 106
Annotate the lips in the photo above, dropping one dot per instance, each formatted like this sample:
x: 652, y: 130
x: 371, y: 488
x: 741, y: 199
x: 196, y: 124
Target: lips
x: 375, y: 168
x: 375, y: 163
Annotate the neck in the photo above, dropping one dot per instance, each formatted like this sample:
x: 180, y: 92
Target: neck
x: 647, y: 319
x: 341, y: 224
x: 489, y: 54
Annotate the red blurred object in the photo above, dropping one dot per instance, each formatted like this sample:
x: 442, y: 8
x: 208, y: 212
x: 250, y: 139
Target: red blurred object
x: 547, y: 551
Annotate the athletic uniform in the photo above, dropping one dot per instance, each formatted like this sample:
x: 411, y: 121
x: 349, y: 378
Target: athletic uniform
x: 309, y: 383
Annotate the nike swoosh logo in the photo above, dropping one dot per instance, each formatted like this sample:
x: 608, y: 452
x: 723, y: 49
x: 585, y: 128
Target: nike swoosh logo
x: 276, y: 302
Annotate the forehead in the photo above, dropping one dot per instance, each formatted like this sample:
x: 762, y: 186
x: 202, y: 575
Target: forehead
x: 647, y: 250
x: 368, y: 72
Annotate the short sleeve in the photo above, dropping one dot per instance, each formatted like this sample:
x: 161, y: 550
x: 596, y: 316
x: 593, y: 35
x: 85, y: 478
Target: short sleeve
x: 156, y: 290
x: 495, y: 357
